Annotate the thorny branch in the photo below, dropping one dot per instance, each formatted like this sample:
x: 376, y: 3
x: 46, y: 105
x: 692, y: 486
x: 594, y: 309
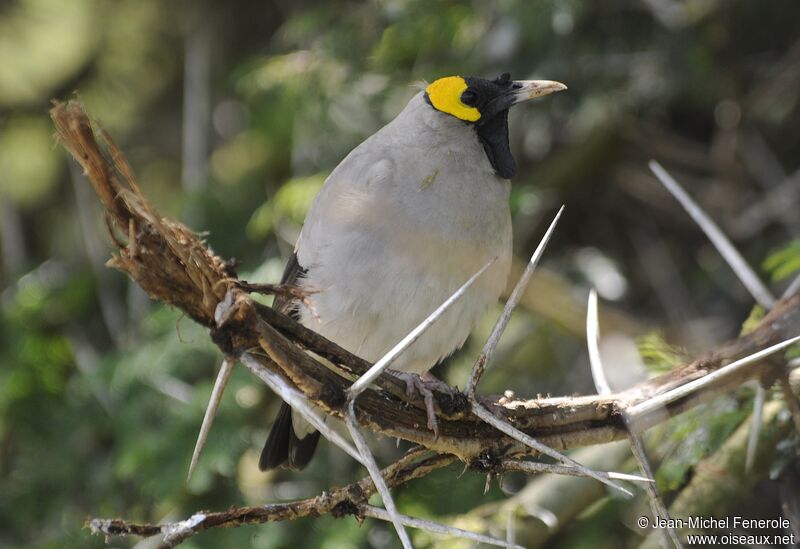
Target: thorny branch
x: 174, y: 265
x: 637, y: 444
x: 339, y: 502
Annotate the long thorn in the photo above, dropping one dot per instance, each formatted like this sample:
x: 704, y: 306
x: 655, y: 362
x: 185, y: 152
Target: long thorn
x: 435, y: 527
x: 792, y: 288
x: 729, y: 253
x: 211, y: 411
x: 657, y: 505
x: 538, y: 467
x: 378, y: 368
x: 637, y: 447
x: 368, y: 460
x: 593, y: 343
x: 299, y: 402
x: 663, y: 399
x: 505, y: 427
x: 502, y: 322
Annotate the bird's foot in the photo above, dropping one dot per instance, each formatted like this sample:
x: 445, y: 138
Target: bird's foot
x: 424, y: 384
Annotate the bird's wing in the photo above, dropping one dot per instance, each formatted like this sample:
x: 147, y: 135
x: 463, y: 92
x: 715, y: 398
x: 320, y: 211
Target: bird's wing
x: 341, y: 204
x: 291, y: 274
x: 352, y: 199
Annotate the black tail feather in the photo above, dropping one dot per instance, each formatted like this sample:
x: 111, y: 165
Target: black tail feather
x: 283, y: 447
x: 276, y: 449
x: 301, y: 450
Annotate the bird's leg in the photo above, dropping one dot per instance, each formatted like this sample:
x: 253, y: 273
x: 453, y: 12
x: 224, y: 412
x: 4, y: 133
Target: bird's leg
x: 423, y: 384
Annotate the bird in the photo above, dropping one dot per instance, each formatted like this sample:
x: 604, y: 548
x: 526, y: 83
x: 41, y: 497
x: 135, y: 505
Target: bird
x: 398, y: 226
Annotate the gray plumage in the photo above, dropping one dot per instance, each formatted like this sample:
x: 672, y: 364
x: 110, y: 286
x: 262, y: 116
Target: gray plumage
x: 406, y: 218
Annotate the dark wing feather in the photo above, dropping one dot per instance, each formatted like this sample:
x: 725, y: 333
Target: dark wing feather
x: 283, y: 446
x: 291, y: 275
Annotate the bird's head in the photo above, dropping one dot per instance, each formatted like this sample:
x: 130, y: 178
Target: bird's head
x: 484, y: 104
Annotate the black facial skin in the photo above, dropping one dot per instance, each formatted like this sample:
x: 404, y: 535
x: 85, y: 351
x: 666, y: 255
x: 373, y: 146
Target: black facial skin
x: 492, y: 98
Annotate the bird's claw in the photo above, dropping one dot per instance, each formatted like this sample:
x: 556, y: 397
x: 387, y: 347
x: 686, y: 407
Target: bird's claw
x: 423, y: 385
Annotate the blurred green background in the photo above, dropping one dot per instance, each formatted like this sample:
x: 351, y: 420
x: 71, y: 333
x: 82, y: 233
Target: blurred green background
x: 233, y: 113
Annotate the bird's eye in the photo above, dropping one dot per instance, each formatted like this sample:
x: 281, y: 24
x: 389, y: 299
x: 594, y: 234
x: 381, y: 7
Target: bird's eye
x: 469, y: 97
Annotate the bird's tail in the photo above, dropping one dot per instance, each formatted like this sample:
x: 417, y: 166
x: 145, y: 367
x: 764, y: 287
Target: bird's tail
x: 291, y: 441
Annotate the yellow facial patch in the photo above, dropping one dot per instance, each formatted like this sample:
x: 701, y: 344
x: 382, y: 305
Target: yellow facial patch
x: 445, y: 96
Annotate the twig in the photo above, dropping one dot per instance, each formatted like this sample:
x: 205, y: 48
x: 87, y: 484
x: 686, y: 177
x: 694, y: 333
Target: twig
x: 368, y: 460
x: 299, y: 402
x: 731, y: 255
x: 291, y: 292
x: 556, y: 414
x: 177, y: 532
x: 538, y: 467
x: 211, y: 411
x: 719, y: 481
x: 339, y: 502
x: 531, y: 442
x: 737, y: 263
x: 436, y: 527
x: 171, y: 263
x: 548, y: 504
x: 486, y: 355
x: 657, y: 506
x: 513, y: 300
x: 663, y: 399
x: 740, y: 267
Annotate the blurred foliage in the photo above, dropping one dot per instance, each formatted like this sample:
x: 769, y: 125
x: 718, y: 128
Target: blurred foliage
x: 784, y: 262
x: 42, y: 44
x: 291, y: 202
x: 658, y: 355
x: 753, y: 319
x: 102, y: 391
x: 25, y: 138
x: 694, y: 435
